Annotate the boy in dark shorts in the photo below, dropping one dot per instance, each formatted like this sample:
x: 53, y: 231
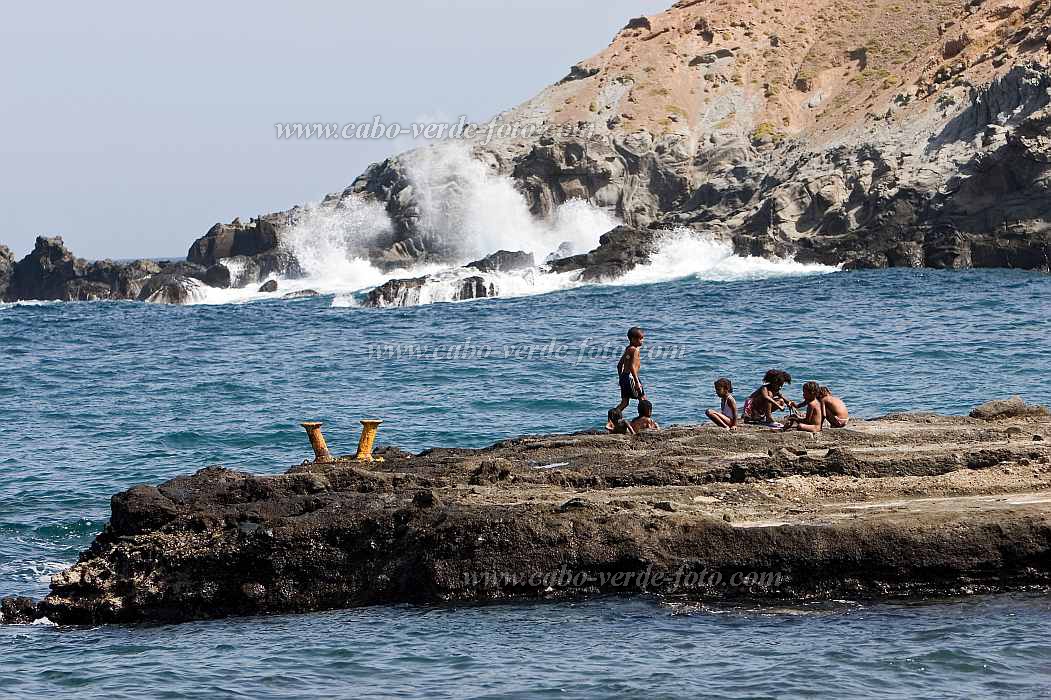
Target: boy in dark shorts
x: 631, y: 388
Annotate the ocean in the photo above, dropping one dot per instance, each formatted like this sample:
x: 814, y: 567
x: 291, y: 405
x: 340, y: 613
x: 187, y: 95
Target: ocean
x: 98, y: 397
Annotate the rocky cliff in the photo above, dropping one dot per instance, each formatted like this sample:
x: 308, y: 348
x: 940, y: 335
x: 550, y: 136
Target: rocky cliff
x: 867, y: 133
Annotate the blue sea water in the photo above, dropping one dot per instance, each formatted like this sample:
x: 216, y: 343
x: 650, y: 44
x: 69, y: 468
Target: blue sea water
x: 97, y: 397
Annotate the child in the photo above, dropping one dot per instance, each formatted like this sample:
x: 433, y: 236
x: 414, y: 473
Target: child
x: 726, y: 416
x: 815, y: 416
x: 760, y: 406
x: 645, y: 420
x: 616, y: 425
x: 631, y: 388
x: 835, y: 410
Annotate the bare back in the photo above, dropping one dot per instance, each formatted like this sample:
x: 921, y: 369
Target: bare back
x: 835, y: 408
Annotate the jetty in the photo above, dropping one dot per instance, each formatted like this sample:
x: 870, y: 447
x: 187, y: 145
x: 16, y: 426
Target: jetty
x: 916, y: 505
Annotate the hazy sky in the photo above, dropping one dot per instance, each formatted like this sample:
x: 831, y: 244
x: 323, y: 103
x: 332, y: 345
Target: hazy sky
x: 129, y: 128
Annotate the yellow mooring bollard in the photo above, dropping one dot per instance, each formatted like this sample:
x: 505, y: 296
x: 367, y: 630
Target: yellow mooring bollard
x: 369, y: 428
x: 317, y: 441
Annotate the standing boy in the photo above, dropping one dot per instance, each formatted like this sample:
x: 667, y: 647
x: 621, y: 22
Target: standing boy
x: 631, y: 388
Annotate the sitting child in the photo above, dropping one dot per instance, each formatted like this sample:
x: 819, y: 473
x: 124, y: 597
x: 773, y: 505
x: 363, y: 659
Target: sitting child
x: 726, y: 416
x: 760, y: 406
x: 815, y: 416
x: 835, y: 410
x: 616, y: 425
x: 645, y: 420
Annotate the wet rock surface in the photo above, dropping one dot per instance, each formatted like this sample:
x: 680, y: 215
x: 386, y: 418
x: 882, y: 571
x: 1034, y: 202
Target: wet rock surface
x: 907, y: 505
x: 504, y: 261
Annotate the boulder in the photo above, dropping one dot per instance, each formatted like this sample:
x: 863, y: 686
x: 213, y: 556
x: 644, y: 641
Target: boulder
x: 302, y: 294
x: 18, y: 610
x: 407, y: 292
x: 245, y: 271
x: 1013, y: 407
x: 580, y: 72
x: 504, y: 261
x: 639, y: 23
x: 619, y: 252
x: 396, y: 293
x: 172, y: 288
x: 218, y: 276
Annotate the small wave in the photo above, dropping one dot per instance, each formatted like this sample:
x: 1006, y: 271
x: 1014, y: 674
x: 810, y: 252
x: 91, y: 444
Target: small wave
x: 31, y: 302
x: 684, y: 253
x: 445, y: 286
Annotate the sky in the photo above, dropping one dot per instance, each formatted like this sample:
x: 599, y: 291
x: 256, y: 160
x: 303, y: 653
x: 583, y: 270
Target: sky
x: 129, y: 128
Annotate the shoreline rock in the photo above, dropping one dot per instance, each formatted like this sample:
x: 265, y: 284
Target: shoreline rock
x: 906, y: 505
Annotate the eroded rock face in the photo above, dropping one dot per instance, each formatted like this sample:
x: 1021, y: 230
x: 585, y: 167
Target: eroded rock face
x: 510, y: 521
x: 944, y: 204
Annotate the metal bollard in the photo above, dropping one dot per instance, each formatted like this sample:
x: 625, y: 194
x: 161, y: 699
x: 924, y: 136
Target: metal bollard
x: 369, y: 428
x: 317, y: 441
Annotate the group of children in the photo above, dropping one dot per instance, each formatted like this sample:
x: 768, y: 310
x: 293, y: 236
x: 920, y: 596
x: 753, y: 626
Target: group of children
x: 759, y: 408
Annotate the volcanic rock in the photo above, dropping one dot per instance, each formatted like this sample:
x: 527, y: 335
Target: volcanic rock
x: 7, y: 267
x: 504, y: 261
x: 619, y: 251
x: 18, y: 610
x: 892, y: 511
x: 1013, y: 407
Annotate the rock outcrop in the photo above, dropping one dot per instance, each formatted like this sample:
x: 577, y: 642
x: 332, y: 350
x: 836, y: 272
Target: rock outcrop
x: 52, y: 272
x: 907, y: 505
x: 258, y: 237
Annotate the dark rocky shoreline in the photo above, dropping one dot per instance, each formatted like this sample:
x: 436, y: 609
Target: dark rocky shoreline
x: 937, y: 156
x: 908, y: 505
